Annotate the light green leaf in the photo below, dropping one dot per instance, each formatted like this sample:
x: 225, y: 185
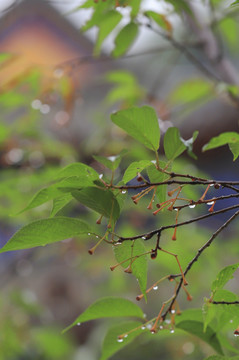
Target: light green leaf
x: 209, y: 311
x: 160, y: 19
x: 102, y: 201
x: 124, y: 39
x: 224, y: 295
x: 78, y: 169
x: 231, y: 138
x: 190, y: 91
x: 156, y: 176
x: 223, y: 277
x: 60, y: 202
x: 111, y: 345
x: 173, y: 145
x: 141, y: 124
x: 106, y: 24
x: 234, y: 147
x: 135, y: 168
x: 229, y: 29
x: 235, y: 3
x: 196, y: 328
x: 46, y: 231
x: 139, y: 267
x: 109, y: 307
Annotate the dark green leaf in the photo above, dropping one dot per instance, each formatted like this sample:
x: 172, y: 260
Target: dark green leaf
x: 141, y: 124
x: 173, y: 145
x: 223, y: 277
x: 111, y: 162
x: 111, y: 345
x: 46, y: 231
x: 124, y: 39
x: 102, y: 201
x: 129, y: 249
x: 108, y: 307
x: 135, y: 168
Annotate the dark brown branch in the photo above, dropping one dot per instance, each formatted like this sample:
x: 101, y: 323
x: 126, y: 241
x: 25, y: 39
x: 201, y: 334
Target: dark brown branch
x: 200, y: 251
x: 225, y: 302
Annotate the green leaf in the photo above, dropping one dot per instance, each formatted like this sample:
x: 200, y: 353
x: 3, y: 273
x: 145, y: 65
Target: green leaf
x: 180, y: 5
x: 190, y: 91
x: 224, y: 295
x: 173, y: 145
x: 78, y: 169
x: 223, y: 277
x: 156, y: 176
x: 59, y: 203
x: 46, y: 231
x: 135, y: 168
x: 209, y: 311
x: 189, y: 144
x: 110, y: 343
x: 106, y: 24
x: 235, y: 3
x: 229, y: 29
x: 139, y: 267
x: 141, y: 124
x: 231, y: 138
x: 102, y: 201
x: 124, y: 39
x: 217, y: 357
x: 109, y: 307
x: 160, y: 19
x: 196, y: 328
x: 111, y: 162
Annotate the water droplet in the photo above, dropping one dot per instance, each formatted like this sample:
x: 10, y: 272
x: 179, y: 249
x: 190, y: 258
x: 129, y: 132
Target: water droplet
x: 45, y: 109
x: 172, y: 311
x: 153, y: 161
x: 100, y: 176
x: 124, y: 192
x: 112, y: 158
x: 210, y: 203
x: 161, y: 327
x: 192, y: 206
x: 143, y: 327
x: 236, y: 333
x: 126, y: 335
x: 78, y: 324
x: 172, y: 331
x: 118, y: 243
x: 149, y: 326
x: 145, y: 316
x: 120, y: 340
x: 36, y: 104
x: 89, y: 234
x: 231, y: 321
x: 97, y: 237
x: 143, y: 238
x: 167, y: 321
x: 155, y: 287
x: 211, y: 185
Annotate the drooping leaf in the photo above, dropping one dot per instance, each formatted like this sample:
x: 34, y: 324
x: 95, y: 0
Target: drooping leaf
x: 125, y: 39
x: 108, y: 307
x: 141, y: 124
x: 139, y: 267
x: 45, y: 231
x: 102, y: 201
x: 196, y: 328
x: 111, y: 345
x: 106, y: 24
x: 230, y: 138
x: 135, y: 168
x: 173, y: 145
x: 223, y: 277
x: 60, y: 202
x: 156, y: 176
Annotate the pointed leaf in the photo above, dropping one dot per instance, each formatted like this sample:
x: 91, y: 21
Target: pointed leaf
x: 231, y: 138
x: 59, y: 203
x: 160, y: 19
x: 124, y: 39
x: 135, y: 168
x: 139, y: 266
x: 141, y: 124
x: 173, y: 145
x: 78, y: 169
x: 111, y: 162
x: 102, y: 201
x: 111, y: 345
x: 46, y: 231
x: 224, y: 276
x: 109, y: 307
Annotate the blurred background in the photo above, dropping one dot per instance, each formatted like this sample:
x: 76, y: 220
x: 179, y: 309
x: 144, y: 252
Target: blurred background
x: 56, y: 97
